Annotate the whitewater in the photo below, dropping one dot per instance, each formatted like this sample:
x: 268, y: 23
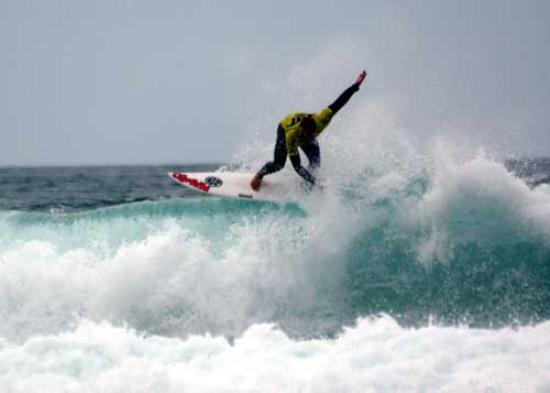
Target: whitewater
x: 416, y: 269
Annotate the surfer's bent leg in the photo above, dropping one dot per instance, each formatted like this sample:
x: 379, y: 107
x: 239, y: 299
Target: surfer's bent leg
x: 303, y: 172
x: 313, y: 153
x: 279, y: 159
x: 344, y: 98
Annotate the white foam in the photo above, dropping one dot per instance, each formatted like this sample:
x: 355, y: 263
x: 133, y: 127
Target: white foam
x: 375, y: 356
x: 487, y: 200
x: 175, y: 281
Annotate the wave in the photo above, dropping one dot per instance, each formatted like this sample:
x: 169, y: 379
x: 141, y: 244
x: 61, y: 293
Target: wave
x: 461, y: 243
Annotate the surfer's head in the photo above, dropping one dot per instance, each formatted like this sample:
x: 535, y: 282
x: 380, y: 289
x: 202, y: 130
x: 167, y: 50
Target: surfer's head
x: 308, y: 125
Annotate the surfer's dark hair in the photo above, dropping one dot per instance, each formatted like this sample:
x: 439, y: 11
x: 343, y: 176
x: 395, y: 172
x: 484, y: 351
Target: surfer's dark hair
x: 308, y: 124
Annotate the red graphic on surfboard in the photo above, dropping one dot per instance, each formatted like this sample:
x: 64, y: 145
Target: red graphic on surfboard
x: 185, y: 179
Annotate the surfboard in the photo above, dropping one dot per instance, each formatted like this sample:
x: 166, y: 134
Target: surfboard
x: 275, y: 188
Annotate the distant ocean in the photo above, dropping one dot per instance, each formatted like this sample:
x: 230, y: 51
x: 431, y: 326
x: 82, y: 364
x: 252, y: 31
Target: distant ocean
x: 116, y: 279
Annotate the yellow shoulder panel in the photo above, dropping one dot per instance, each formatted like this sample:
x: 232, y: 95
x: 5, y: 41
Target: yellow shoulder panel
x: 322, y: 119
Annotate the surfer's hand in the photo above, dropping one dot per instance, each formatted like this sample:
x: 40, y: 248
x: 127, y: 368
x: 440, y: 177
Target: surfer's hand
x: 361, y: 78
x: 256, y: 182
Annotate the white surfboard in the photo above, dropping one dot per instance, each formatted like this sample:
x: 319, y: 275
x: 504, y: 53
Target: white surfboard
x: 274, y: 188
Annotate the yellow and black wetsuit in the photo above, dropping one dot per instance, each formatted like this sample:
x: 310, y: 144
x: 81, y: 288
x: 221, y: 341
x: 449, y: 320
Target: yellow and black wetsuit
x: 290, y: 137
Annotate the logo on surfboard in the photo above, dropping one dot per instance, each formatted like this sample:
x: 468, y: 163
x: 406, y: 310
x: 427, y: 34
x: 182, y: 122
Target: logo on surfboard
x: 213, y: 181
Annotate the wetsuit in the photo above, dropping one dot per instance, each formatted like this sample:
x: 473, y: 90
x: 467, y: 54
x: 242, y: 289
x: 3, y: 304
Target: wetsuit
x: 290, y: 137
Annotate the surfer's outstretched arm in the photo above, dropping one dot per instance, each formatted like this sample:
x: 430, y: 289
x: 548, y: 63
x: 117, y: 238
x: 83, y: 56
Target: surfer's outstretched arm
x: 295, y: 159
x: 346, y: 95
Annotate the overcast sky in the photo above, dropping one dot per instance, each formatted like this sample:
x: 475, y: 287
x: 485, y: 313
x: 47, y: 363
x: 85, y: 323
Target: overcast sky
x: 91, y: 82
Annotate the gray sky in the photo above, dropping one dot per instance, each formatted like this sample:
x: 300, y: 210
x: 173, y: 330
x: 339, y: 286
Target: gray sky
x: 84, y: 82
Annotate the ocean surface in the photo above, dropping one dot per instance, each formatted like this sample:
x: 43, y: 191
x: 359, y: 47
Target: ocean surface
x: 434, y: 278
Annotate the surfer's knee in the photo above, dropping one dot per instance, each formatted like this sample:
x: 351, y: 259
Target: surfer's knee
x: 271, y: 167
x: 275, y: 166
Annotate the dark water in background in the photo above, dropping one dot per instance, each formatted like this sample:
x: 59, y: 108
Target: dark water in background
x: 91, y: 187
x: 77, y: 188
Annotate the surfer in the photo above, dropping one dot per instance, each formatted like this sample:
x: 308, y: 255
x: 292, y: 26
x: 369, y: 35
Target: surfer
x: 300, y: 130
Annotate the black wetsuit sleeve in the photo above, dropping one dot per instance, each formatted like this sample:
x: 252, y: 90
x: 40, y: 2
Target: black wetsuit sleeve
x: 295, y: 159
x: 344, y: 98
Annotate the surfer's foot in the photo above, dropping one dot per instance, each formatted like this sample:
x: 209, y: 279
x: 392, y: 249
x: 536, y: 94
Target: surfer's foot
x: 256, y: 182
